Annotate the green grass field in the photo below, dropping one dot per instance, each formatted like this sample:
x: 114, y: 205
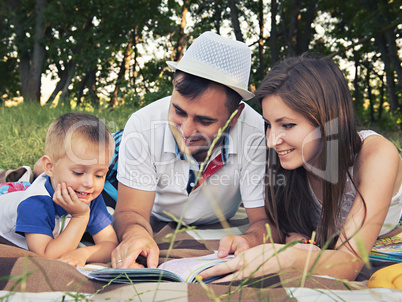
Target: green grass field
x: 23, y: 130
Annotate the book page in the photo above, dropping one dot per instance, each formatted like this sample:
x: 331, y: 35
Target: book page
x: 189, y: 268
x: 388, y: 249
x: 177, y: 270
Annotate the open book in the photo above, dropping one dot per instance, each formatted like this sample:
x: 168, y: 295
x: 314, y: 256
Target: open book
x: 177, y: 270
x: 388, y: 249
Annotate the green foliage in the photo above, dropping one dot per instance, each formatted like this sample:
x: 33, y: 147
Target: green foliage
x: 87, y: 41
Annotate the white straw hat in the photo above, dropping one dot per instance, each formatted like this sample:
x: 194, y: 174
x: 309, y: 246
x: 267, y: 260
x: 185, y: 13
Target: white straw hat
x: 218, y: 59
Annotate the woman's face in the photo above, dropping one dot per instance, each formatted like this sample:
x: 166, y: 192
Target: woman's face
x: 295, y: 139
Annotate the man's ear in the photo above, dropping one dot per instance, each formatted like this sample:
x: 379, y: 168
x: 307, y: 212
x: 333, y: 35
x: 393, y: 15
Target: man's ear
x: 236, y: 117
x: 47, y: 165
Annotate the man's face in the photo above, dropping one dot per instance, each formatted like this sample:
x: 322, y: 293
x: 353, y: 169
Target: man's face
x: 195, y: 122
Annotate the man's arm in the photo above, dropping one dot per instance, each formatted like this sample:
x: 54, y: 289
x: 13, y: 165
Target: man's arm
x: 131, y: 222
x: 257, y: 230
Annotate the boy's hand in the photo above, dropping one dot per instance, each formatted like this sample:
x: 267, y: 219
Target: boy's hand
x: 66, y: 198
x: 76, y: 258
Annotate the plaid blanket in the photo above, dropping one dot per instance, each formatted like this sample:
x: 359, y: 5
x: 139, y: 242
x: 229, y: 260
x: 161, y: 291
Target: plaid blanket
x: 24, y: 271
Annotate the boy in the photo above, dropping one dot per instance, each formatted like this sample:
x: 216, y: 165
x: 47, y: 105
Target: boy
x: 50, y: 217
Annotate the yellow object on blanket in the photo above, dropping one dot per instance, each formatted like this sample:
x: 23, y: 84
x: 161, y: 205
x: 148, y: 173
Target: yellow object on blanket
x: 387, y: 277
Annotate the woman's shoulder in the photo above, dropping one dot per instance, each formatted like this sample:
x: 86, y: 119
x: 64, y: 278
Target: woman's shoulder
x: 378, y: 147
x: 377, y: 153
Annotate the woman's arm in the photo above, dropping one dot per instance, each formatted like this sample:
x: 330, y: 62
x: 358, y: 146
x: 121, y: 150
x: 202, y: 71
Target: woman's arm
x: 375, y: 174
x: 272, y: 258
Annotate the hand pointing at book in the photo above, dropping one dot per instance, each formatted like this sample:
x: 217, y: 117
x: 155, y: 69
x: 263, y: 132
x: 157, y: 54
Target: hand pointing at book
x: 126, y: 254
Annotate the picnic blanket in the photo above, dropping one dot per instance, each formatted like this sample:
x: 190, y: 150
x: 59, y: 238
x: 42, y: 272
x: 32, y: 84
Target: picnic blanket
x: 25, y: 273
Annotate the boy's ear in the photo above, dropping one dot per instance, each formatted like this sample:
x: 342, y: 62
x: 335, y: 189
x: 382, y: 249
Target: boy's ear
x: 236, y: 117
x: 47, y: 165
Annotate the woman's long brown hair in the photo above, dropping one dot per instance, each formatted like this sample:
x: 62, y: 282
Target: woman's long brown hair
x: 316, y: 88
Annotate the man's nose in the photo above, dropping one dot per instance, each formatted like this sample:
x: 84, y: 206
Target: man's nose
x: 188, y: 128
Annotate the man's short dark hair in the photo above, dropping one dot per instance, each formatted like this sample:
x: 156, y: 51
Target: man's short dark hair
x: 192, y: 86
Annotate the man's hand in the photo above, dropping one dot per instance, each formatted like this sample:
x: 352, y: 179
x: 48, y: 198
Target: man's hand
x: 131, y: 222
x: 254, y: 235
x: 232, y: 244
x: 127, y: 252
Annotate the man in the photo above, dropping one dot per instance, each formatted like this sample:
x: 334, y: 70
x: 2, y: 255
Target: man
x: 165, y: 148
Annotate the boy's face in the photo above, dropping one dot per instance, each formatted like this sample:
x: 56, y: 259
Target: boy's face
x: 83, y: 168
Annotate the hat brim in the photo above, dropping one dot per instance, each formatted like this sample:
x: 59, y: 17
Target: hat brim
x: 205, y: 71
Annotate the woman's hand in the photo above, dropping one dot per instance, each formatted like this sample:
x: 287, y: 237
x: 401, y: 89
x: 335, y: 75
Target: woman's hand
x: 257, y: 261
x: 298, y: 237
x: 294, y: 237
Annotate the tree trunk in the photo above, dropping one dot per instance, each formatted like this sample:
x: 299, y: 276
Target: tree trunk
x: 180, y: 41
x: 124, y: 68
x: 369, y: 93
x: 261, y: 21
x: 66, y: 75
x: 388, y: 52
x: 389, y: 72
x: 305, y: 37
x: 31, y: 61
x: 356, y: 92
x: 38, y: 55
x: 293, y: 26
x: 218, y: 16
x: 393, y: 56
x: 61, y: 83
x: 93, y: 94
x: 80, y: 93
x: 234, y: 16
x: 135, y: 64
x: 392, y: 46
x: 382, y: 94
x: 64, y: 96
x: 274, y: 33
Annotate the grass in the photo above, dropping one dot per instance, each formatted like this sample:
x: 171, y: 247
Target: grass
x: 23, y: 130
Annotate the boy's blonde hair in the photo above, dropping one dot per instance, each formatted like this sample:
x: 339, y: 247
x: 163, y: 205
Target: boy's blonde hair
x: 71, y: 127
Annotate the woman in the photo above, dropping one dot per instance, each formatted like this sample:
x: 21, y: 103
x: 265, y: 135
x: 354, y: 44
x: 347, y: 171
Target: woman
x: 340, y: 185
